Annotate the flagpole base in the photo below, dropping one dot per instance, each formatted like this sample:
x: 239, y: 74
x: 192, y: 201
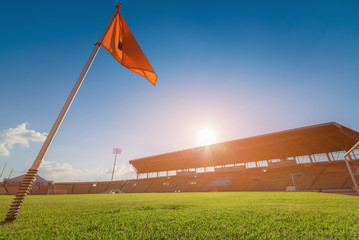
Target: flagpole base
x: 24, y: 189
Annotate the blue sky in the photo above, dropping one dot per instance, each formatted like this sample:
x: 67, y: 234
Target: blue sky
x: 241, y: 68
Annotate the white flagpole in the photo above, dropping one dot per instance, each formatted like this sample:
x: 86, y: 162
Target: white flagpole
x: 30, y: 176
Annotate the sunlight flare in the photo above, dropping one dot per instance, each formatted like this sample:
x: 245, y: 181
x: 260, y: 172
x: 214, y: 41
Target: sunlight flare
x: 206, y: 136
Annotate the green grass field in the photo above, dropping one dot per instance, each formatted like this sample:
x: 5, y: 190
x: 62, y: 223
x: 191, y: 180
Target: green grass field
x: 227, y: 215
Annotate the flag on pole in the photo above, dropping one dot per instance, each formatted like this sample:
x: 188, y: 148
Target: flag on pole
x: 123, y: 46
x: 119, y: 41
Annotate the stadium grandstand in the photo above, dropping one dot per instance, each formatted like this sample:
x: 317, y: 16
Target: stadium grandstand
x: 302, y: 159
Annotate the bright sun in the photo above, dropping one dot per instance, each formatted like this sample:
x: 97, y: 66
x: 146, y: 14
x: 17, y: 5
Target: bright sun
x: 206, y: 136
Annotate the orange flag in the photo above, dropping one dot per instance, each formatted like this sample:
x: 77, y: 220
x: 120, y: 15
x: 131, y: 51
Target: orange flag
x: 123, y: 46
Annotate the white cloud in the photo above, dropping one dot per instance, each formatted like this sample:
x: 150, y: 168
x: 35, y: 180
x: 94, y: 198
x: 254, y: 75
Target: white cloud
x: 19, y: 135
x: 64, y: 172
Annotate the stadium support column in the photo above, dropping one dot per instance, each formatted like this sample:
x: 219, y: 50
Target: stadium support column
x: 331, y: 153
x: 346, y: 157
x: 310, y: 157
x: 329, y: 159
x: 351, y: 172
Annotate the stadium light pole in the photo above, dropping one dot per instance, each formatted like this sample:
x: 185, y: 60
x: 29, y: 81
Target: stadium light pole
x: 31, y: 174
x: 115, y: 151
x: 346, y: 157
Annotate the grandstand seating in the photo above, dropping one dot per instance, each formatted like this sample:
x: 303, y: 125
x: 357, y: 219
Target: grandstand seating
x: 12, y: 189
x: 129, y: 186
x: 63, y: 188
x: 195, y: 187
x: 87, y: 187
x: 332, y: 181
x: 115, y: 184
x: 82, y: 188
x: 99, y: 187
x: 240, y: 185
x: 39, y: 190
x: 162, y: 184
x: 142, y: 185
x: 287, y: 160
x: 323, y: 176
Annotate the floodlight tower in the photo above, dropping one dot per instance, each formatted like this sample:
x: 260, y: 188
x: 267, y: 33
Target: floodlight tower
x: 115, y: 151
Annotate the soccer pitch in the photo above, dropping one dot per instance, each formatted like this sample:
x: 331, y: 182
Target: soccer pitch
x: 222, y: 215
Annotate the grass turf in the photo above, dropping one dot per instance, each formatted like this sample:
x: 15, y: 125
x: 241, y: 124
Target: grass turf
x: 231, y: 215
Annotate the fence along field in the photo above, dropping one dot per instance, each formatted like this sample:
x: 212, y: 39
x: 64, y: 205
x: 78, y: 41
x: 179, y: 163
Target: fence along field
x: 236, y: 215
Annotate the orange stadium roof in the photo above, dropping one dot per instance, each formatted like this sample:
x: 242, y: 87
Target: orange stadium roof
x: 315, y: 139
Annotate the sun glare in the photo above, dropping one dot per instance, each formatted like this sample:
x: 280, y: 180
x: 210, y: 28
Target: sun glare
x: 206, y: 136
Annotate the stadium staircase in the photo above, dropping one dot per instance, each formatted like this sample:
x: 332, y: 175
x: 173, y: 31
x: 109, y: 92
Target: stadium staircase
x: 128, y: 187
x: 24, y: 189
x: 122, y: 187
